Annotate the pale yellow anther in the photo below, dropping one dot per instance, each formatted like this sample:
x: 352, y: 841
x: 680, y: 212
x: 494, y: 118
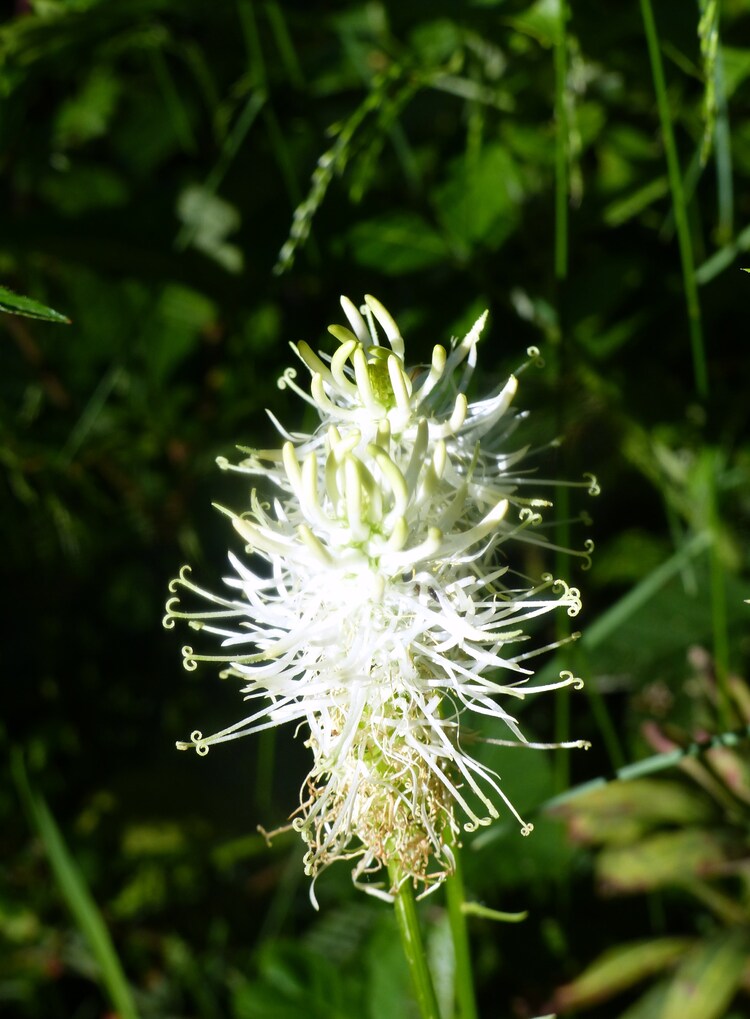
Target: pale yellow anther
x: 364, y: 385
x: 331, y: 474
x: 345, y: 445
x: 338, y: 361
x: 390, y: 328
x: 383, y: 437
x: 247, y: 531
x: 394, y: 478
x: 439, y: 357
x: 317, y: 367
x: 419, y: 449
x: 399, y: 535
x: 430, y: 483
x: 374, y: 493
x: 399, y: 384
x: 356, y: 321
x: 327, y: 406
x: 465, y: 539
x: 342, y: 334
x: 315, y: 546
x: 259, y: 538
x: 310, y: 480
x: 458, y: 416
x: 353, y: 493
x: 439, y: 458
x: 432, y: 542
x: 291, y: 466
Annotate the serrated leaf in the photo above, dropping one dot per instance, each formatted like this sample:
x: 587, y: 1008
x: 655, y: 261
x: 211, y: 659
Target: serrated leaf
x: 669, y: 858
x: 707, y: 980
x: 618, y: 969
x: 16, y: 304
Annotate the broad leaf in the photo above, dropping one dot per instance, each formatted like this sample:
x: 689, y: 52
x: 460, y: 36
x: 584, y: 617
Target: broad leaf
x: 618, y: 969
x: 708, y: 979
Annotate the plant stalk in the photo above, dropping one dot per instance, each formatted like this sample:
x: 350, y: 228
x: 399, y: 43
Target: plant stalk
x: 456, y: 898
x: 413, y: 945
x: 678, y: 203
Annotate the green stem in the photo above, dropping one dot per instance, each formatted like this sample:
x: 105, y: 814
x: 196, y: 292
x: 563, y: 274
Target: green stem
x: 678, y: 203
x: 411, y: 940
x: 561, y: 148
x: 651, y: 765
x: 719, y: 619
x: 718, y: 594
x: 723, y: 150
x: 456, y: 899
x: 562, y: 527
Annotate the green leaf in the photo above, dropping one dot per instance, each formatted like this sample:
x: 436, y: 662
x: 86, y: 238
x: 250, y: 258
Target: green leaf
x: 74, y: 890
x: 622, y: 811
x: 736, y: 67
x: 618, y: 969
x: 481, y: 201
x: 623, y: 209
x: 649, y: 1004
x: 181, y: 317
x: 15, y: 304
x: 669, y: 858
x: 541, y: 21
x: 723, y: 258
x: 388, y: 983
x: 85, y: 187
x: 708, y: 979
x: 397, y: 242
x: 88, y: 114
x: 436, y: 41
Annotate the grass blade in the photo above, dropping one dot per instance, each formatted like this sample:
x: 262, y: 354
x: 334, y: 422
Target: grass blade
x: 74, y: 890
x: 16, y: 304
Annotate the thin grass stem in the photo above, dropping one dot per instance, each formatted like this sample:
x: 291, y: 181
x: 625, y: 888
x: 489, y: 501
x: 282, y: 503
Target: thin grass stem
x: 561, y: 146
x: 723, y: 158
x: 284, y: 44
x: 718, y: 598
x: 697, y: 345
x: 562, y: 527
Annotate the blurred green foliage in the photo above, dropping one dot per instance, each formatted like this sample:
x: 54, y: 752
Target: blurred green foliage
x: 193, y: 185
x: 679, y: 841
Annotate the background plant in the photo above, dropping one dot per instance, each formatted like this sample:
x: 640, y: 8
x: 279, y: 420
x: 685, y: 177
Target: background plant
x: 504, y: 155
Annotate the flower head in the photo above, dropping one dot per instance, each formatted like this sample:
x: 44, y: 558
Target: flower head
x: 376, y: 605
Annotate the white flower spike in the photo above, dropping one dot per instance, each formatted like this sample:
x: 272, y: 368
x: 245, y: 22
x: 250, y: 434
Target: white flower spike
x: 379, y: 613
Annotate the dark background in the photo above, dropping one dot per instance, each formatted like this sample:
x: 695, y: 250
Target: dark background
x: 152, y: 156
